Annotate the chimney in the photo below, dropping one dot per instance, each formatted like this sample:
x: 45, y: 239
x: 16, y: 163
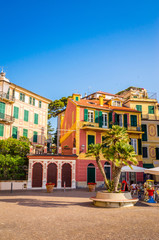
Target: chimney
x: 101, y: 100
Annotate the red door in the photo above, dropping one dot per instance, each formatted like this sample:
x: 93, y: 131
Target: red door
x: 66, y: 175
x: 52, y: 173
x: 37, y: 175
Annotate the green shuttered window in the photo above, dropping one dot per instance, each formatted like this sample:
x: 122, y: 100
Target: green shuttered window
x: 91, y: 139
x: 125, y: 120
x: 25, y: 132
x: 33, y: 101
x: 151, y: 109
x: 100, y: 119
x: 144, y: 152
x: 2, y: 110
x: 1, y: 130
x: 96, y: 116
x: 144, y: 129
x: 139, y: 108
x: 133, y: 120
x: 86, y: 115
x: 16, y: 112
x: 14, y: 132
x: 22, y: 97
x: 35, y: 137
x: 26, y: 115
x: 39, y: 104
x: 110, y: 119
x: 30, y: 100
x: 35, y: 118
x: 157, y: 153
x: 139, y: 147
x: 158, y: 130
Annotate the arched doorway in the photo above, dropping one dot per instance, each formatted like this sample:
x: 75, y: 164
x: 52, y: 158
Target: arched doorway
x: 52, y: 173
x: 91, y: 173
x: 37, y: 175
x: 66, y: 175
x: 107, y: 169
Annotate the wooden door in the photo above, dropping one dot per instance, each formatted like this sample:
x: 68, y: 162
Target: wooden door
x: 91, y: 174
x: 66, y: 175
x: 52, y: 173
x: 37, y: 175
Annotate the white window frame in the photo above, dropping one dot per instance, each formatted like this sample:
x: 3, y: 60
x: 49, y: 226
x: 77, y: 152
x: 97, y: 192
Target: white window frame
x: 105, y: 123
x: 90, y: 116
x: 134, y: 144
x: 120, y: 120
x: 116, y: 103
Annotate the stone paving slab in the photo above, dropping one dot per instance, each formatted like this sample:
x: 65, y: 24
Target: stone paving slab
x: 71, y: 215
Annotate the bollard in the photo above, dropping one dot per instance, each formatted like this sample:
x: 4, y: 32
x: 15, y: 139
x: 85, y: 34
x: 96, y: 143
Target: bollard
x: 11, y: 187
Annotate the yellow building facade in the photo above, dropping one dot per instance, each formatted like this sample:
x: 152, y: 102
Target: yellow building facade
x: 22, y: 113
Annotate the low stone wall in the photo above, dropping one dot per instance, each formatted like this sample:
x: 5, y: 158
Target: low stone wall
x: 16, y: 185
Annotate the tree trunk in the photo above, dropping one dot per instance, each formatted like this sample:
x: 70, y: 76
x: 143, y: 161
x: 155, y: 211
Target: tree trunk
x: 116, y: 177
x: 102, y: 171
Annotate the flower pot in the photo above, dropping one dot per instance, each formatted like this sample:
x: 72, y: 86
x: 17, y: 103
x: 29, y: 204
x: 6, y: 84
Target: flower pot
x: 91, y: 187
x: 50, y: 187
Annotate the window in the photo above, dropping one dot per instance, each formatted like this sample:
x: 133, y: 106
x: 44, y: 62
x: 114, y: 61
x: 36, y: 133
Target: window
x: 1, y: 130
x: 91, y: 139
x: 151, y: 109
x: 35, y: 118
x: 77, y: 99
x: 35, y: 137
x: 90, y: 116
x: 157, y: 130
x: 133, y: 120
x: 157, y: 153
x: 118, y: 119
x: 134, y: 144
x: 39, y: 104
x: 105, y: 120
x: 26, y: 115
x: 30, y: 100
x: 25, y: 132
x: 144, y: 152
x: 139, y: 108
x: 33, y: 101
x: 116, y: 103
x: 14, y: 132
x: 144, y: 129
x: 16, y: 112
x: 22, y: 97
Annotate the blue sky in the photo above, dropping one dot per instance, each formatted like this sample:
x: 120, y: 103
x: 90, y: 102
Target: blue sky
x: 55, y: 48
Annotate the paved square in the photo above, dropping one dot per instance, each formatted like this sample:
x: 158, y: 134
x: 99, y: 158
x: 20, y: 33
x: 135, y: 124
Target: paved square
x: 70, y: 215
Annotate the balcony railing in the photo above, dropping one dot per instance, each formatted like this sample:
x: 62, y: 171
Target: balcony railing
x: 7, y: 96
x: 6, y: 118
x: 132, y: 128
x: 149, y: 117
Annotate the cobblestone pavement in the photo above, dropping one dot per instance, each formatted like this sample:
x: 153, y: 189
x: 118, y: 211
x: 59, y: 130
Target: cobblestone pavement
x: 70, y: 215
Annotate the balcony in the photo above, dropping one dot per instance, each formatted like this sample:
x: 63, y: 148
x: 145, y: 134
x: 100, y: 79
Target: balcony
x: 5, y: 118
x: 7, y: 97
x: 149, y: 117
x: 132, y: 128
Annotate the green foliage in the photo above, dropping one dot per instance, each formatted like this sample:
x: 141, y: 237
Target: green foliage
x: 11, y: 168
x: 57, y: 106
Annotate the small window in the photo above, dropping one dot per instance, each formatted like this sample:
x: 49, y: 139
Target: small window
x: 26, y: 115
x: 105, y: 120
x: 91, y: 139
x: 22, y: 97
x: 25, y: 132
x: 134, y: 144
x: 35, y: 118
x: 116, y: 103
x: 33, y: 101
x: 139, y: 108
x: 35, y: 137
x: 151, y: 109
x: 90, y: 116
x: 14, y: 132
x: 77, y: 99
x: 144, y: 152
x: 30, y: 100
x: 1, y: 130
x: 16, y: 112
x: 133, y: 120
x: 39, y: 104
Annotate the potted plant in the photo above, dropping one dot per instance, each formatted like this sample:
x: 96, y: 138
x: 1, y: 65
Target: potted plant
x: 91, y: 186
x: 50, y: 187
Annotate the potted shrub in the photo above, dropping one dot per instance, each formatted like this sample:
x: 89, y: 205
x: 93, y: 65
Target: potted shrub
x: 91, y: 187
x: 50, y: 187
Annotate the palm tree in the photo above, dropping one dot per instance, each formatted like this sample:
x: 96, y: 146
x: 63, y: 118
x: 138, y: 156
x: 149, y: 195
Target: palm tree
x: 117, y: 150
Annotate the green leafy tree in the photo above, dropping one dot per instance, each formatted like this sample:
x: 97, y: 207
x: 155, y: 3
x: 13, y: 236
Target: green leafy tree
x: 117, y: 150
x: 57, y: 106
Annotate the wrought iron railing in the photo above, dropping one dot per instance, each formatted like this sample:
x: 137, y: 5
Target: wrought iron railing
x: 6, y: 96
x: 6, y: 117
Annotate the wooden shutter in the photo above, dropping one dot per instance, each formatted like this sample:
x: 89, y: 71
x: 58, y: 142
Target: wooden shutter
x: 86, y: 115
x: 16, y: 112
x: 158, y: 130
x: 26, y: 115
x: 96, y: 116
x: 125, y: 120
x: 14, y: 132
x: 33, y: 101
x: 2, y: 110
x: 133, y: 120
x: 116, y: 119
x: 144, y: 129
x: 90, y: 139
x: 25, y: 132
x: 157, y: 153
x: 110, y: 119
x: 144, y: 152
x: 1, y: 130
x: 151, y: 109
x: 139, y: 108
x: 139, y: 147
x: 35, y: 118
x: 35, y: 137
x: 21, y: 96
x: 30, y: 101
x: 100, y: 119
x: 39, y: 104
